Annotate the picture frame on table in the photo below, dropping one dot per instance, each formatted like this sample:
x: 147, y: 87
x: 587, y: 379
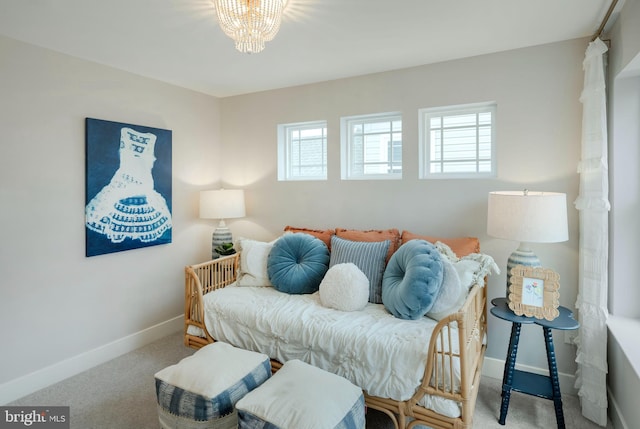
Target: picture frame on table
x: 534, y: 292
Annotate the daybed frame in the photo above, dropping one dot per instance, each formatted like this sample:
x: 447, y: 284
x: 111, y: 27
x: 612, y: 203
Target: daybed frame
x: 471, y: 320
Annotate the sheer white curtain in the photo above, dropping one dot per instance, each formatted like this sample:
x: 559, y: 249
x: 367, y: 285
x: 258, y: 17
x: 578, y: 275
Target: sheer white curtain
x: 593, y: 205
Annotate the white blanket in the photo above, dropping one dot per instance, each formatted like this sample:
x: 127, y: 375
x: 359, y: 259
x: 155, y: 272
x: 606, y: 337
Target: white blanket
x: 383, y: 355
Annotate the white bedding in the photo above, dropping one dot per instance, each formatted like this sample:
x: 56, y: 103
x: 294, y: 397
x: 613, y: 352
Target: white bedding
x: 383, y: 355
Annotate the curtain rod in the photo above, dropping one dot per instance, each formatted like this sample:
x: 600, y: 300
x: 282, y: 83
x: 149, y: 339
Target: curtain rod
x: 604, y: 21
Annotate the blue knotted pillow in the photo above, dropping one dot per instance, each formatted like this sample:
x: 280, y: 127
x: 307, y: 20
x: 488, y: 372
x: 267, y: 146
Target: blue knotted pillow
x: 412, y: 280
x: 297, y: 263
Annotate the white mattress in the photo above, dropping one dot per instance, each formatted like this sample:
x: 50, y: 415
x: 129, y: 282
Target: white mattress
x: 383, y: 355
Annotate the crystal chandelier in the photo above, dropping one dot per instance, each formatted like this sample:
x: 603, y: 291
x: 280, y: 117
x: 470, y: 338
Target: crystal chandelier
x: 250, y: 23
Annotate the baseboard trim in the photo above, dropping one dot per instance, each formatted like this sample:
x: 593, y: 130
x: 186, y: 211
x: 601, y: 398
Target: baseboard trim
x: 27, y: 384
x: 616, y: 417
x: 494, y: 368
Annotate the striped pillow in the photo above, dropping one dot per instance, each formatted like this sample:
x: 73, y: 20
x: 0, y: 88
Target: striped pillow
x: 368, y: 256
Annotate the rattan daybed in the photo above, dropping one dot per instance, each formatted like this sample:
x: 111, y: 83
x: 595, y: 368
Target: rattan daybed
x: 442, y: 352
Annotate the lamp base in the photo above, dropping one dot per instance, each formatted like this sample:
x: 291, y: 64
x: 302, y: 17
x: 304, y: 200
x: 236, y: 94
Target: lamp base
x: 521, y: 256
x: 221, y: 234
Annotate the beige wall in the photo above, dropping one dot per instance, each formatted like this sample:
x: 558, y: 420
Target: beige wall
x: 625, y: 35
x: 58, y: 306
x: 624, y: 158
x: 58, y: 309
x: 537, y: 93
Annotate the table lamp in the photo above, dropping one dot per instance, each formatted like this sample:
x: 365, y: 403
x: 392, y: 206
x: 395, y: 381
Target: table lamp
x: 221, y: 204
x: 527, y: 217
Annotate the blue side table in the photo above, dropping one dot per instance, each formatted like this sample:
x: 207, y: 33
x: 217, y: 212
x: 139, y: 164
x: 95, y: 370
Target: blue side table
x: 547, y: 387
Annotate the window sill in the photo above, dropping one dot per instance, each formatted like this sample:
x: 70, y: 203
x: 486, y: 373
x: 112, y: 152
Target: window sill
x: 625, y: 330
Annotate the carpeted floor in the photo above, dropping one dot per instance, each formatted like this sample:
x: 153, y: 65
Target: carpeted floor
x: 120, y: 394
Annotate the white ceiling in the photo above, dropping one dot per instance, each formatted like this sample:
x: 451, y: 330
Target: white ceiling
x: 179, y: 41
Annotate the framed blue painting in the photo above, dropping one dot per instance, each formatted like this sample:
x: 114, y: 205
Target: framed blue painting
x: 128, y: 187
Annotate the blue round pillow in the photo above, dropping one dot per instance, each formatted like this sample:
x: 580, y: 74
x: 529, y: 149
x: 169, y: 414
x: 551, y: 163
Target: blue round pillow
x: 412, y: 280
x: 297, y: 263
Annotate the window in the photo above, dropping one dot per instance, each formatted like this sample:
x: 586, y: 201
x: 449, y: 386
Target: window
x: 372, y: 146
x: 302, y: 151
x: 457, y: 142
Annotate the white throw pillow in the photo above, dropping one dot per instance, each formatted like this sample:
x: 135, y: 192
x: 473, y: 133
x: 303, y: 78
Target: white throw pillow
x: 452, y: 293
x: 460, y: 274
x: 469, y: 270
x: 253, y: 262
x: 344, y: 287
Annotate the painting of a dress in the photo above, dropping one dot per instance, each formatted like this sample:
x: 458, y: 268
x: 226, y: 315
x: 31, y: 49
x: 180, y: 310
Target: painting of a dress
x: 128, y: 189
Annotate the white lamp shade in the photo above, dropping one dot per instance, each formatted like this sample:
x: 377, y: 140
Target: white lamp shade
x: 531, y: 217
x: 222, y: 204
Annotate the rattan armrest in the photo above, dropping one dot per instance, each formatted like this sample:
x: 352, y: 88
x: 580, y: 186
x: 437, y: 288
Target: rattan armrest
x: 201, y: 279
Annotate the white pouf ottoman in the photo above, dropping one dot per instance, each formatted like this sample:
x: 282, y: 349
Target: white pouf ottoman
x: 201, y: 390
x: 301, y: 396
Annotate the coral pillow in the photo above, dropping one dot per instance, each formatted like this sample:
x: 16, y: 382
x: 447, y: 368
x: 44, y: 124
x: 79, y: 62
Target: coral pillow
x: 345, y: 288
x: 412, y: 280
x: 323, y: 234
x: 297, y: 263
x: 462, y: 246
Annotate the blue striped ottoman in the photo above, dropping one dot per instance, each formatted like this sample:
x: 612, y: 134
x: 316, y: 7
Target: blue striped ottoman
x: 201, y: 390
x: 301, y: 396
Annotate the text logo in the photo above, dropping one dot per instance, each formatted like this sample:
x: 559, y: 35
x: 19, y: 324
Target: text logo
x: 34, y: 417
